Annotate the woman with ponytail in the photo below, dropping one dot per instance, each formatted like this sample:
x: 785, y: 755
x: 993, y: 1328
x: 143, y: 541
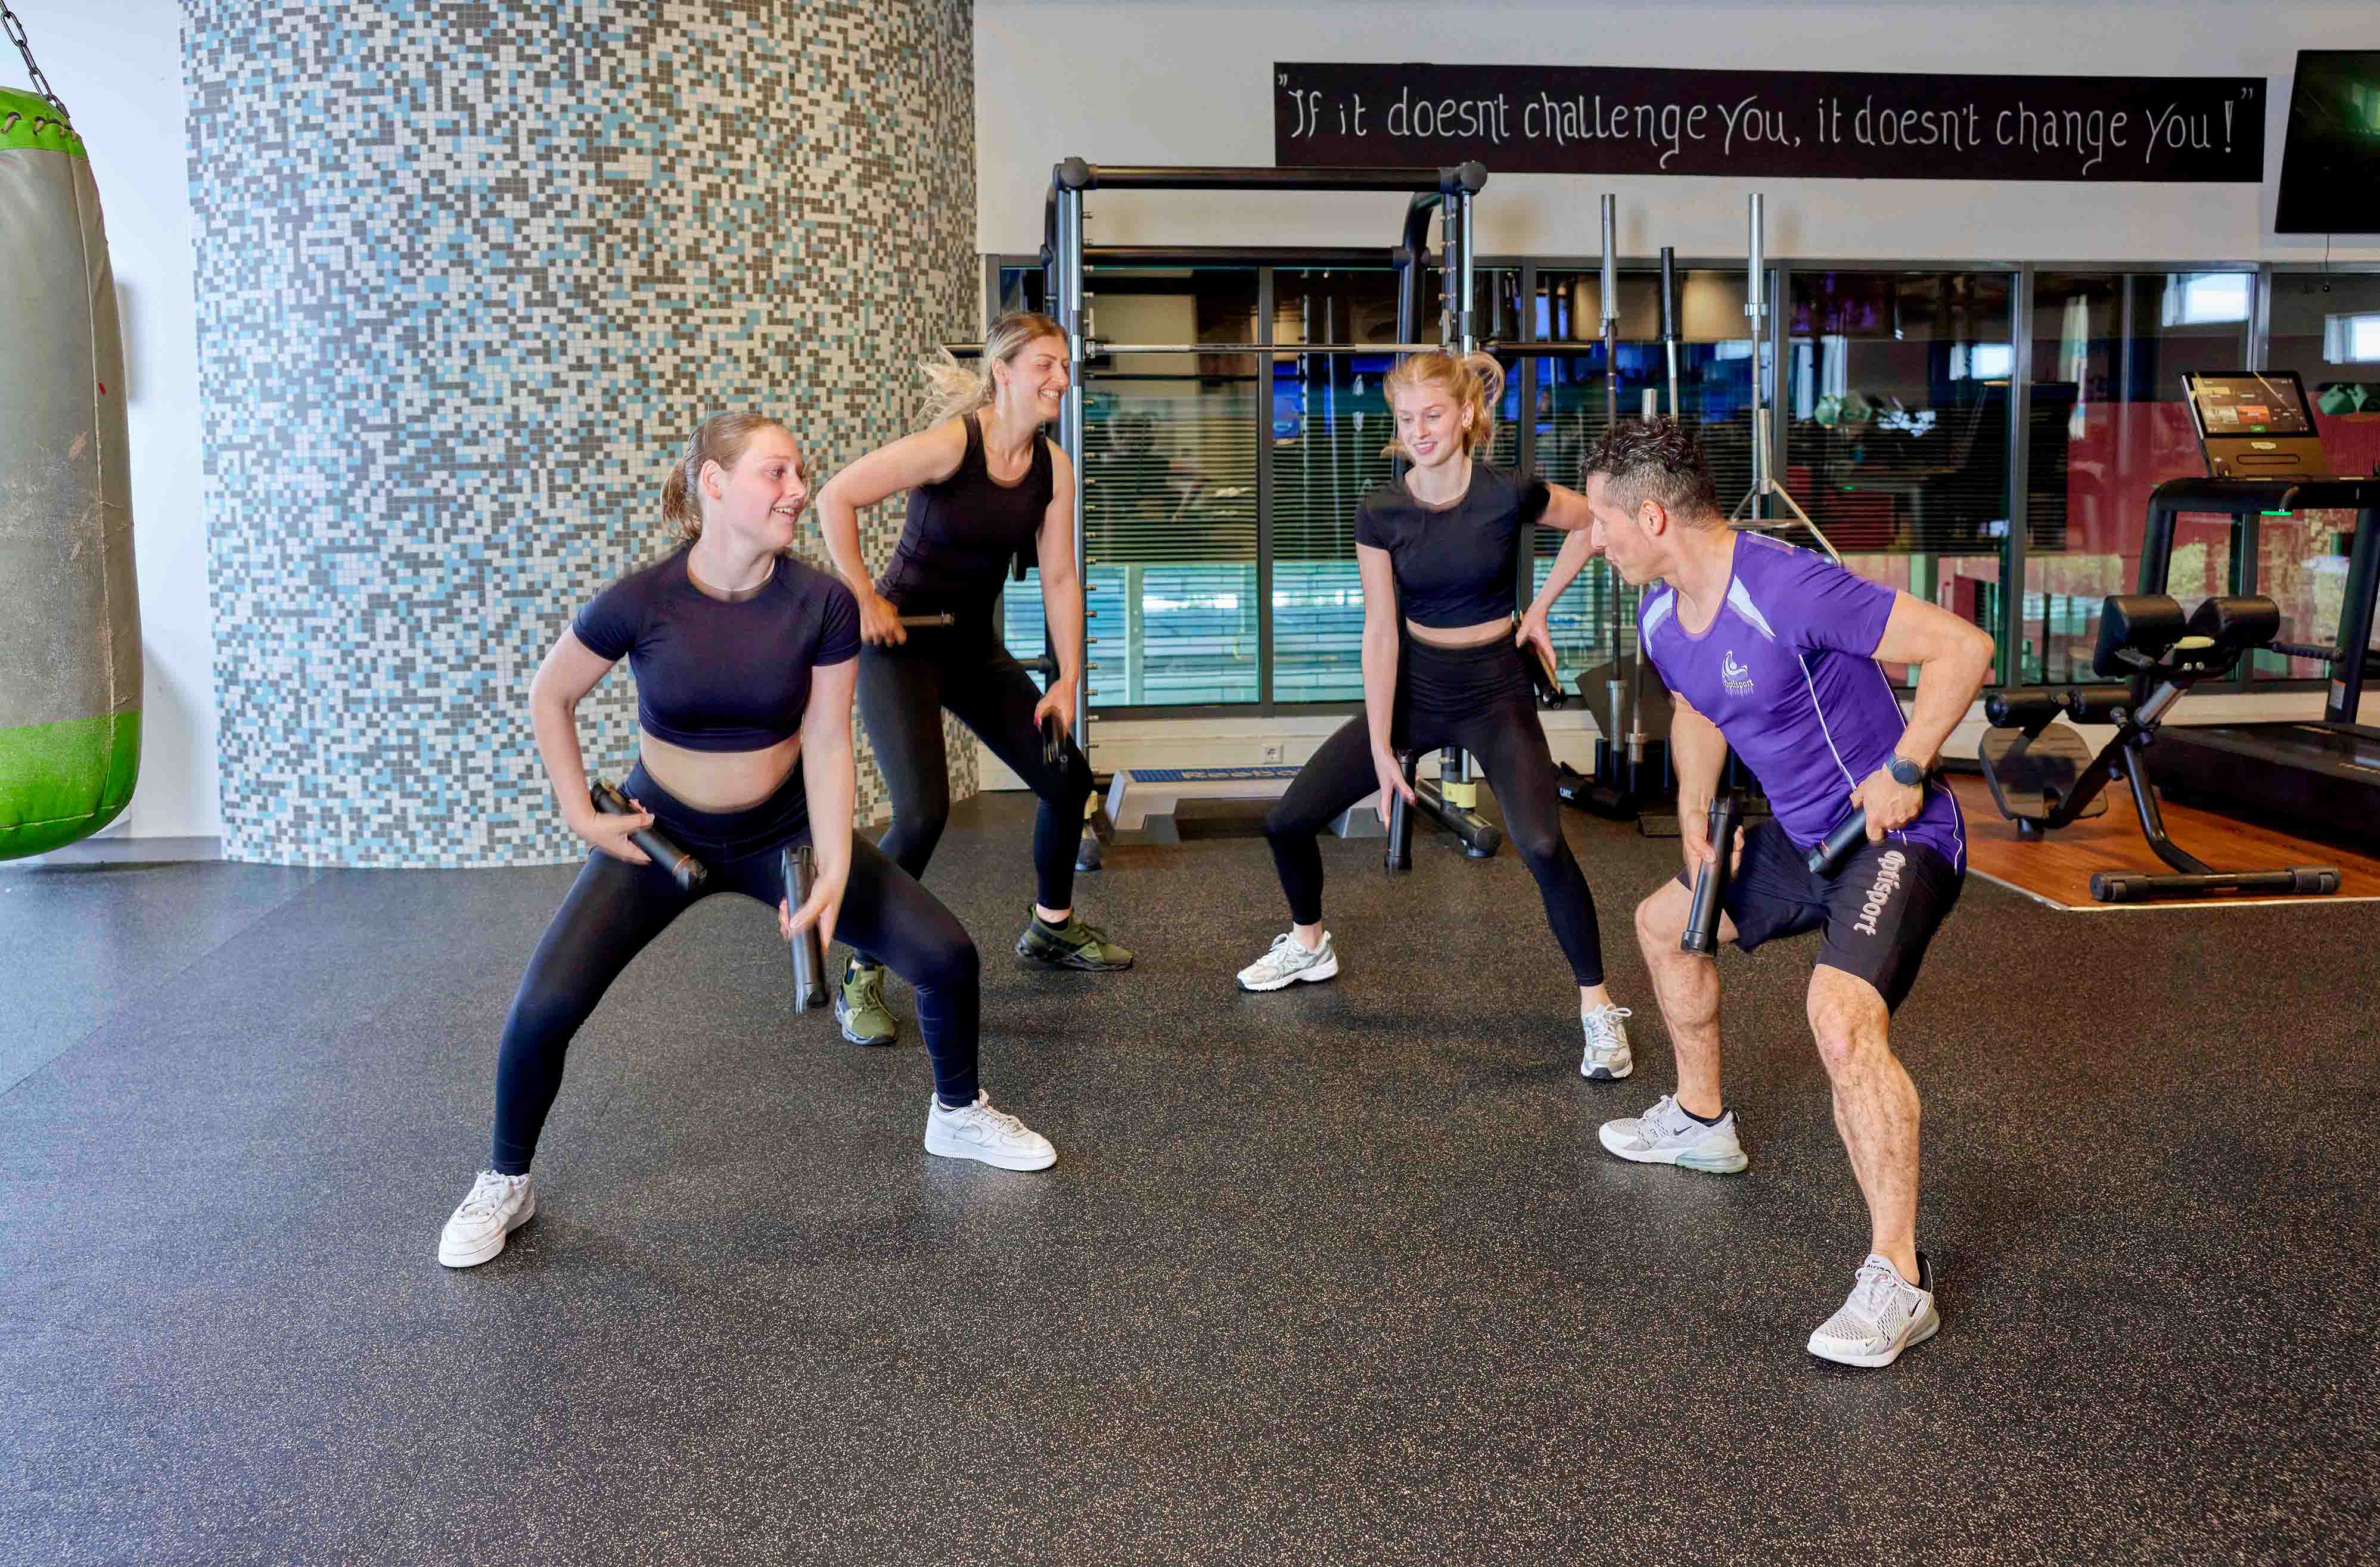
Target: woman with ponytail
x: 1440, y: 551
x: 984, y: 487
x: 743, y: 664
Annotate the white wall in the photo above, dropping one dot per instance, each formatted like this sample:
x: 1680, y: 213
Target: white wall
x: 1145, y: 81
x: 118, y: 66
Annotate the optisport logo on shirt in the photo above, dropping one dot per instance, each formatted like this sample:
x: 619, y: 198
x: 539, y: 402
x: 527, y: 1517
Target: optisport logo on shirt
x: 1737, y: 679
x: 1887, y: 882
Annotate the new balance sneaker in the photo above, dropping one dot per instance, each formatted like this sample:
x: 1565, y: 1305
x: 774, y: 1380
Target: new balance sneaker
x: 1884, y: 1315
x: 992, y: 1137
x: 1076, y: 944
x: 1667, y: 1135
x: 859, y: 1005
x: 1606, y: 1059
x: 498, y: 1205
x: 1288, y: 962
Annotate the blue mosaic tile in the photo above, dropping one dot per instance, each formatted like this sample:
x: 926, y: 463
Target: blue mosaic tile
x: 468, y: 274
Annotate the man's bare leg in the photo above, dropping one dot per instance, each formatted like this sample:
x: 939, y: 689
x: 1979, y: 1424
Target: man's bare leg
x: 1686, y: 986
x: 1875, y: 1108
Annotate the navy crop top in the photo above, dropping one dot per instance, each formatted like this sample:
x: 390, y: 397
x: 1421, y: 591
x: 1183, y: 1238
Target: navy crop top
x: 1456, y: 564
x: 720, y: 675
x: 961, y: 534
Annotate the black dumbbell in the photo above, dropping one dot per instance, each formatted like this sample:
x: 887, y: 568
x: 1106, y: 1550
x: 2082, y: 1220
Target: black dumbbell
x: 1840, y: 844
x: 809, y: 962
x: 683, y: 867
x: 1701, y: 935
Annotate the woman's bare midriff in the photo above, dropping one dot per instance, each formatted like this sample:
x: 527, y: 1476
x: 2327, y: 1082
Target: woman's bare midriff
x: 719, y: 781
x: 1452, y: 635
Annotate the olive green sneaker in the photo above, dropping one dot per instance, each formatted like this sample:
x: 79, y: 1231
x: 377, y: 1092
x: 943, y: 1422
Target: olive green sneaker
x: 1075, y: 945
x: 859, y: 1005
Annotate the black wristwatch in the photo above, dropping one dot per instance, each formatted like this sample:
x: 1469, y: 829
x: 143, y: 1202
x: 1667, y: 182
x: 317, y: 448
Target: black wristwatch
x: 1906, y: 773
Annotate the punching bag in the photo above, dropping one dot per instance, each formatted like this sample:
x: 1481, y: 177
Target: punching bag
x: 69, y: 614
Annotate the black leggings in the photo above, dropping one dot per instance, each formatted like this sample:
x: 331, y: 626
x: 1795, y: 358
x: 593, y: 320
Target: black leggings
x: 1480, y: 698
x: 903, y: 691
x: 615, y: 909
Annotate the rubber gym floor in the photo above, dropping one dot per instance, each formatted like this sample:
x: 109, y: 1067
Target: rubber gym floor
x: 1337, y: 1275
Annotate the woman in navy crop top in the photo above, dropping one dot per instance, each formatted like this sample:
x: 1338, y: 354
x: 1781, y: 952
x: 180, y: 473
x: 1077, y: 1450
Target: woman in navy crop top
x: 1439, y: 550
x: 984, y: 488
x: 744, y: 662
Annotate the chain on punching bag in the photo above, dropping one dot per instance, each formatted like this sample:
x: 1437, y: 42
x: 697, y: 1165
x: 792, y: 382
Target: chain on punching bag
x: 69, y: 612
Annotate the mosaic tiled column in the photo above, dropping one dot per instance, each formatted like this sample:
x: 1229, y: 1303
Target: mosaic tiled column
x: 468, y: 275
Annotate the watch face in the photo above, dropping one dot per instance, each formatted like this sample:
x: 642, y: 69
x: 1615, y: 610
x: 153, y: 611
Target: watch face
x: 1905, y: 772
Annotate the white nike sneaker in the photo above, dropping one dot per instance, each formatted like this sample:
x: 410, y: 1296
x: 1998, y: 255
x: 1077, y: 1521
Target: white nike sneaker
x: 498, y: 1205
x: 1667, y: 1135
x: 1606, y: 1059
x: 991, y: 1137
x: 1884, y: 1315
x: 1288, y: 962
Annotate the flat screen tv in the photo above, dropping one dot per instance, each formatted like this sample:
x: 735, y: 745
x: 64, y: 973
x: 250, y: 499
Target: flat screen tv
x: 2330, y: 165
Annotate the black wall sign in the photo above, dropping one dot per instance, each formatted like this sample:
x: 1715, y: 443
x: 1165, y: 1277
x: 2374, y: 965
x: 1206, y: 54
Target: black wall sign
x: 1839, y: 125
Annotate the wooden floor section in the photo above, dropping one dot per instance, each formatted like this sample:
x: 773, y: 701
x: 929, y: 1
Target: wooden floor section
x: 2057, y: 869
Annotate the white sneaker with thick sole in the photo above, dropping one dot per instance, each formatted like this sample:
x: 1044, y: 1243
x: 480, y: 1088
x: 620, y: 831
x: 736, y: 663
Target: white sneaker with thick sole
x: 1289, y: 963
x: 1606, y: 1059
x: 498, y: 1205
x: 992, y: 1137
x: 1884, y: 1315
x: 1667, y: 1135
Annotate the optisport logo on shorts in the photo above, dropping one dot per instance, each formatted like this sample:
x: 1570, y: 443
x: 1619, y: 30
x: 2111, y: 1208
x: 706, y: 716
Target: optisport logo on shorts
x: 1887, y: 882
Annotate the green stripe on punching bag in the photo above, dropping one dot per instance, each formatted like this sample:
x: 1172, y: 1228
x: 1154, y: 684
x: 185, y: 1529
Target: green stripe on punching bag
x: 69, y: 609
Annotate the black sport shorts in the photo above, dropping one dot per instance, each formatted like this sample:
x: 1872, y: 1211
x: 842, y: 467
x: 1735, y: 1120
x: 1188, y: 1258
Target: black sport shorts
x: 1878, y: 913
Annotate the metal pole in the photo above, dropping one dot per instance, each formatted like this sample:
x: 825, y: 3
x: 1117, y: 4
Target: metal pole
x: 1070, y: 421
x: 1670, y: 319
x: 1616, y: 688
x: 2014, y: 544
x: 1755, y: 306
x: 1467, y: 308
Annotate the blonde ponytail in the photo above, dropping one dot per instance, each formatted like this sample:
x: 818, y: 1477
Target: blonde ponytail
x: 1475, y: 380
x: 952, y: 389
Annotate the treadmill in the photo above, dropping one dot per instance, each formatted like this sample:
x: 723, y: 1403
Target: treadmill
x: 2264, y: 455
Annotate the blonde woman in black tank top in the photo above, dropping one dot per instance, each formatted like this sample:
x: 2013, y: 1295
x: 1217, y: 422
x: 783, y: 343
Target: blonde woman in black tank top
x: 984, y: 486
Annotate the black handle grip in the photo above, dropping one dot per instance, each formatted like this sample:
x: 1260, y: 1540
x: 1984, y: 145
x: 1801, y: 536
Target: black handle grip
x: 1053, y: 741
x: 1701, y: 935
x: 809, y: 963
x: 1541, y: 674
x: 929, y: 620
x: 683, y: 867
x: 1669, y: 332
x: 1840, y: 844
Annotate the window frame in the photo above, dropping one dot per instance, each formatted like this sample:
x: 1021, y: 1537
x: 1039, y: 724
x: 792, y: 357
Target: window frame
x: 2008, y: 634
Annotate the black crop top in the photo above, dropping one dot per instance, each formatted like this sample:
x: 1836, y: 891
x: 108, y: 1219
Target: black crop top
x: 716, y: 675
x: 1455, y: 564
x: 961, y: 533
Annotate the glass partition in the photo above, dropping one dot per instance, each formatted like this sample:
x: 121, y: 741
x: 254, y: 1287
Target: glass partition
x: 1329, y: 424
x: 1714, y: 360
x: 2108, y: 425
x: 1896, y: 427
x: 1169, y: 477
x: 2326, y: 326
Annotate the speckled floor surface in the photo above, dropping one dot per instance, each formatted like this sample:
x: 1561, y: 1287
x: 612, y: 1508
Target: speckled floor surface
x: 1337, y: 1275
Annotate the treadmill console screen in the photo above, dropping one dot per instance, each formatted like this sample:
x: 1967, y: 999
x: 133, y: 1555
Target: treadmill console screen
x: 2240, y: 403
x: 2253, y: 426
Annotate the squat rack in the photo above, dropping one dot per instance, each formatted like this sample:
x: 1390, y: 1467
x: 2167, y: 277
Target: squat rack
x: 1450, y: 191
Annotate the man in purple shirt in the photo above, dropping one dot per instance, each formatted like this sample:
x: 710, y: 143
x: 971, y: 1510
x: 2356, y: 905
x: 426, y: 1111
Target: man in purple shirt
x: 1775, y: 651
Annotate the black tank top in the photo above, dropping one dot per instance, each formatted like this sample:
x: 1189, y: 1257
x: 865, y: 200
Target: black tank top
x: 962, y: 533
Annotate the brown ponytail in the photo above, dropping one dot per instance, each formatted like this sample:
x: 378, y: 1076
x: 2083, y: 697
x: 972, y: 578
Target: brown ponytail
x: 720, y: 439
